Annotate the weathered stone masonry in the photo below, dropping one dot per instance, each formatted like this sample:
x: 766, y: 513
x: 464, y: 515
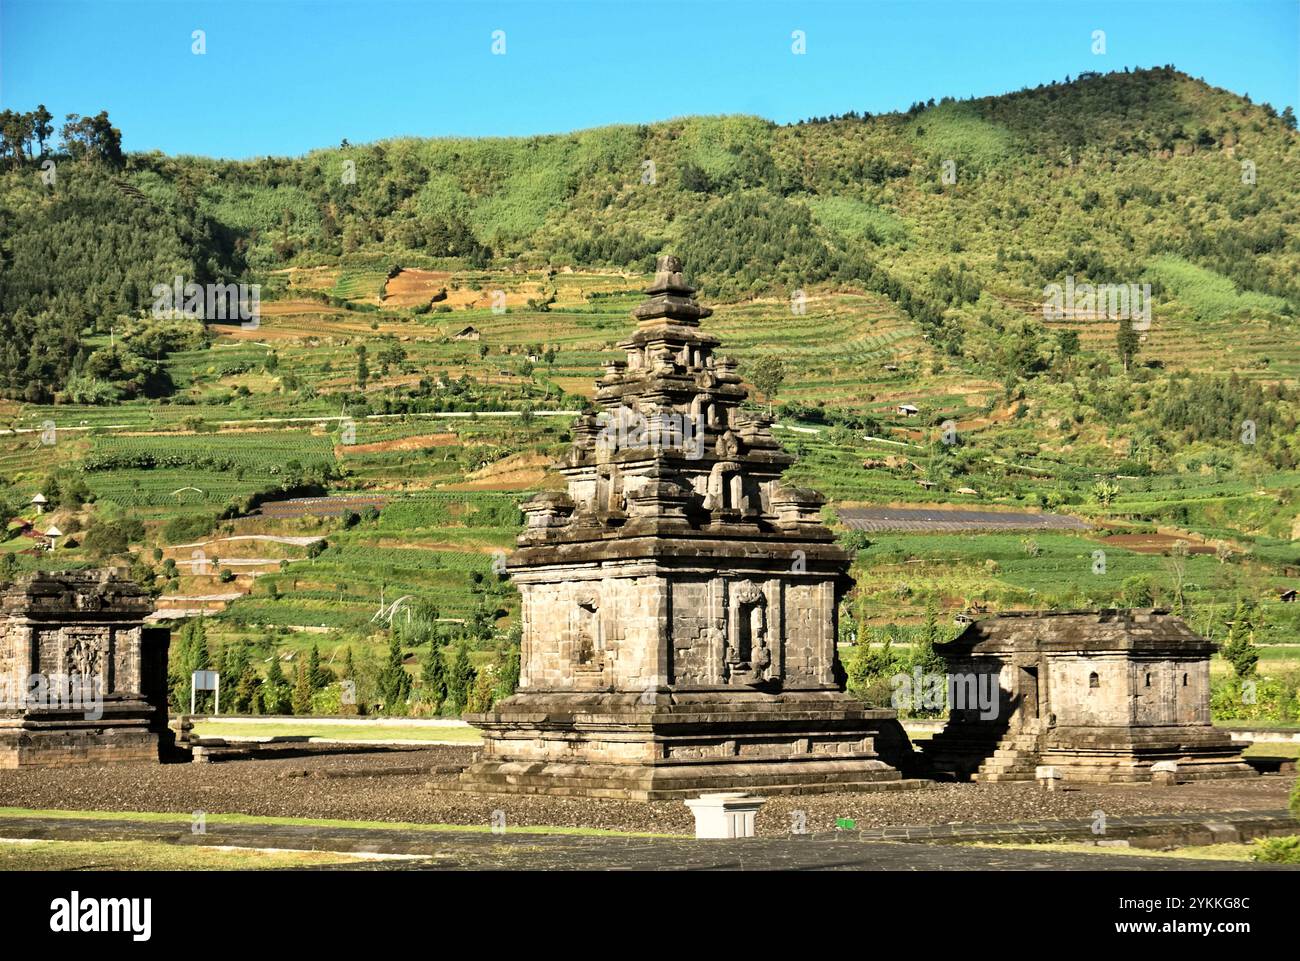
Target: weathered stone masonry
x: 72, y: 630
x: 679, y: 599
x: 1099, y: 695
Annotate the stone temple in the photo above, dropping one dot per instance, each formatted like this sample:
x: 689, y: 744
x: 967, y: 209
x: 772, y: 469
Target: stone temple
x: 679, y: 601
x: 83, y: 680
x: 1098, y: 695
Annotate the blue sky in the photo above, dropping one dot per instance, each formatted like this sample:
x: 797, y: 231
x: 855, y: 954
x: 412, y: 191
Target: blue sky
x: 286, y: 76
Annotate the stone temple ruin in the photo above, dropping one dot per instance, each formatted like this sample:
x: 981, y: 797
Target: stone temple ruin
x: 679, y: 601
x: 1098, y: 695
x: 84, y: 680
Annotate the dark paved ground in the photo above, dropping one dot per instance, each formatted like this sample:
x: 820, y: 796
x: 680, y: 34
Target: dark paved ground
x: 408, y: 785
x: 463, y: 850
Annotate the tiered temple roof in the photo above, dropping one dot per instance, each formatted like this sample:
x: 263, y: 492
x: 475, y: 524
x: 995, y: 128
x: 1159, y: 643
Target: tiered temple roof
x: 671, y: 448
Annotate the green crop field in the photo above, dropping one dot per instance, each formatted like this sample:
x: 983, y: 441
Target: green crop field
x: 354, y: 450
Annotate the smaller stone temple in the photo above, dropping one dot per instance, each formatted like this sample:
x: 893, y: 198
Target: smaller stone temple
x: 1098, y: 695
x: 679, y: 599
x: 83, y: 680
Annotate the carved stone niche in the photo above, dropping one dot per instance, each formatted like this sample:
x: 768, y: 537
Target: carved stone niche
x: 588, y: 635
x: 748, y: 648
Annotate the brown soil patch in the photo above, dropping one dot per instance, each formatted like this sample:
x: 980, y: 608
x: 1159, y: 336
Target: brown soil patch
x: 581, y: 386
x: 413, y: 287
x: 516, y: 472
x: 1155, y: 543
x: 290, y: 308
x: 416, y: 442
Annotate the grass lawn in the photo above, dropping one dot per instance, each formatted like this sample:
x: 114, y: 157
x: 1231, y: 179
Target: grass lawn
x: 1208, y: 852
x: 339, y: 732
x: 155, y: 856
x: 1273, y: 749
x: 168, y: 817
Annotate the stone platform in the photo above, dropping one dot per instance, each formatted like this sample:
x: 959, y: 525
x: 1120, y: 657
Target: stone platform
x: 682, y: 744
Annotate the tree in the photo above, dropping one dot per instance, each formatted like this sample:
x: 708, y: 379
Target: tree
x: 1126, y: 342
x: 17, y: 130
x: 247, y: 688
x: 768, y: 374
x: 363, y: 370
x: 190, y: 655
x: 394, y: 682
x: 1239, y: 648
x: 234, y: 662
x: 302, y: 689
x: 1103, y: 491
x: 42, y: 129
x: 433, y: 677
x: 1176, y: 565
x: 93, y: 139
x: 319, y: 675
x: 923, y: 653
x: 462, y: 678
x: 276, y: 694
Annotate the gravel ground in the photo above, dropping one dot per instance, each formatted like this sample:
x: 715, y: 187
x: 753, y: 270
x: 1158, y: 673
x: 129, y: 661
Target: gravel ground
x: 402, y: 785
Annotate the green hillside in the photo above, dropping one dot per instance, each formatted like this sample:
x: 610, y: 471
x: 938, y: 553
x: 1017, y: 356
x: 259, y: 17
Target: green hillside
x: 352, y: 449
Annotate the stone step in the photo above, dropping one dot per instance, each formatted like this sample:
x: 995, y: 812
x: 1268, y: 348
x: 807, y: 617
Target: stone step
x: 1019, y: 763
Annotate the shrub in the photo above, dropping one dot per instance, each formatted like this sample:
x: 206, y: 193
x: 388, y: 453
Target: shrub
x: 192, y: 527
x: 1277, y: 850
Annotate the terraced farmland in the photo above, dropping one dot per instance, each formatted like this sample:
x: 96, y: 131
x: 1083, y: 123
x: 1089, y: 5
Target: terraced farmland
x: 875, y: 519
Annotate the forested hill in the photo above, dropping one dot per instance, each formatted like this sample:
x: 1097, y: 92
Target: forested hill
x: 959, y: 211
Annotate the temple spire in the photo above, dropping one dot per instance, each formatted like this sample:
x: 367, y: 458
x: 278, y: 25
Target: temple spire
x: 671, y: 298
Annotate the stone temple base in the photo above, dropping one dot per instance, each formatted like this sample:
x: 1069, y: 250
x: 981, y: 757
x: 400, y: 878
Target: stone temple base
x: 1090, y: 755
x: 126, y: 732
x: 1201, y: 753
x: 678, y: 745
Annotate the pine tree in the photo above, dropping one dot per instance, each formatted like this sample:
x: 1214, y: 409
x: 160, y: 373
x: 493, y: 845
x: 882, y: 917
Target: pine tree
x: 434, y: 676
x: 923, y: 654
x: 275, y: 693
x: 190, y: 655
x: 1239, y: 648
x: 394, y: 682
x: 319, y: 675
x: 363, y: 370
x: 302, y: 689
x: 234, y: 664
x: 508, y: 675
x: 248, y: 697
x: 1126, y: 342
x: 462, y: 678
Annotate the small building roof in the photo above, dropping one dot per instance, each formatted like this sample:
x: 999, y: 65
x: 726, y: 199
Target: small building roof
x: 1145, y: 631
